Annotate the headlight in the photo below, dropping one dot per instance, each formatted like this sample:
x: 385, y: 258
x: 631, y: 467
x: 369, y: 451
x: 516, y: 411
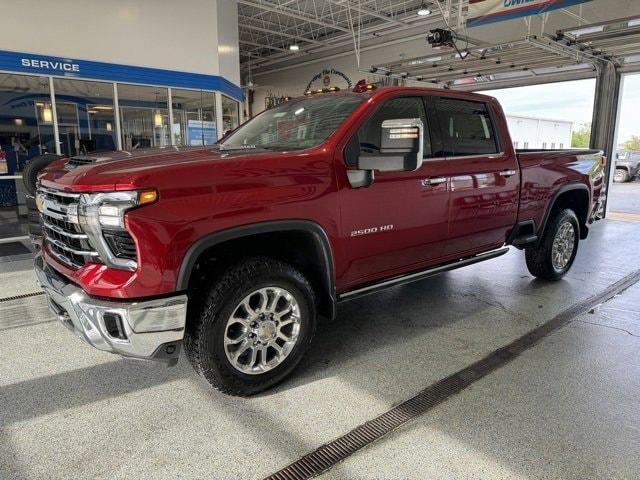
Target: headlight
x: 100, y: 212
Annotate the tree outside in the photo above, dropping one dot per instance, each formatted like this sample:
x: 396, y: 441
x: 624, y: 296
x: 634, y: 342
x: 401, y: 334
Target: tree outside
x: 581, y: 137
x: 632, y: 144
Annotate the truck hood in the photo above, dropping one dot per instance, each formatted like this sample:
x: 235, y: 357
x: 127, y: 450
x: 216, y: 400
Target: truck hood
x: 143, y: 169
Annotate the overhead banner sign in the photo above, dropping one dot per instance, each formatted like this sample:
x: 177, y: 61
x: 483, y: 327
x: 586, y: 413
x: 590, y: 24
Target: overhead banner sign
x: 482, y: 12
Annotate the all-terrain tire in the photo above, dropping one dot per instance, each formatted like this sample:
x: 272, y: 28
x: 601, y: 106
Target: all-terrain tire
x: 540, y: 258
x: 207, y: 326
x: 621, y: 175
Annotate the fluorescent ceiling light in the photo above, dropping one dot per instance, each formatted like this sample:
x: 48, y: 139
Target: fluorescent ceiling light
x: 424, y: 11
x: 294, y: 47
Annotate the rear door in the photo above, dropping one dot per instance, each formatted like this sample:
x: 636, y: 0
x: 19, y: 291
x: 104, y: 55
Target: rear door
x: 400, y: 222
x: 484, y: 176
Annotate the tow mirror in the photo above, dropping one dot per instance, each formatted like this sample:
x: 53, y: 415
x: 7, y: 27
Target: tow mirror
x: 401, y: 147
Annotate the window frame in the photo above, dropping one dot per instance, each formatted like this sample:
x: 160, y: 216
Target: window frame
x: 492, y: 119
x: 433, y: 131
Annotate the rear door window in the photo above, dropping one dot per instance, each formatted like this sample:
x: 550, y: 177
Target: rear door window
x: 466, y: 127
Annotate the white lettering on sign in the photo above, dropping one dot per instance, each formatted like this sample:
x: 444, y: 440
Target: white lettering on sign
x: 47, y: 65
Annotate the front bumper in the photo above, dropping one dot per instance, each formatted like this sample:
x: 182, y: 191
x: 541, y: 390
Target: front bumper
x: 147, y: 330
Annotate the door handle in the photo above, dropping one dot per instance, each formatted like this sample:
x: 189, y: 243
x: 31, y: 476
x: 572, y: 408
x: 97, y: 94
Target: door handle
x: 508, y: 173
x: 433, y: 181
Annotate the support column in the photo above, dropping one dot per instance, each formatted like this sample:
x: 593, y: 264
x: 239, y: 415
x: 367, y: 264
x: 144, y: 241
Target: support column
x: 219, y: 121
x: 170, y: 103
x: 606, y: 114
x: 116, y: 116
x: 54, y: 114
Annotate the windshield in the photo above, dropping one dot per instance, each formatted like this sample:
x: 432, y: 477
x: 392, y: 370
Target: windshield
x: 296, y: 124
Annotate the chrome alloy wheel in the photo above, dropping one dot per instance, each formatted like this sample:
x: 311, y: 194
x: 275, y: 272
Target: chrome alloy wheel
x: 563, y: 245
x: 262, y: 330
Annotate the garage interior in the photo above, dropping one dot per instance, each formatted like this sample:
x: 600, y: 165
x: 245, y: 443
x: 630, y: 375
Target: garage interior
x: 496, y: 402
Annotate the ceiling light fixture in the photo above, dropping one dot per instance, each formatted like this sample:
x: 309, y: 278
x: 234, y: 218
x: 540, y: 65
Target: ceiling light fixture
x: 294, y: 47
x: 424, y: 11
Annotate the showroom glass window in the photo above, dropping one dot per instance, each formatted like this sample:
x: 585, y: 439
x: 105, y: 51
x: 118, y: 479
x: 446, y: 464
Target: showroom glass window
x: 144, y: 116
x: 370, y: 134
x: 230, y: 114
x: 26, y: 131
x: 466, y: 127
x: 86, y: 121
x: 194, y: 117
x: 296, y: 124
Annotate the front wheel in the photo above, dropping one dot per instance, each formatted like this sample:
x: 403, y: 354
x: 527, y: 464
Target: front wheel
x: 621, y: 175
x: 256, y: 323
x: 552, y: 258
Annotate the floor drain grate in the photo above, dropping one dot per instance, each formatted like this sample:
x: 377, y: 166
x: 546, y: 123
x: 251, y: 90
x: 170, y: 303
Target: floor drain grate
x: 330, y: 454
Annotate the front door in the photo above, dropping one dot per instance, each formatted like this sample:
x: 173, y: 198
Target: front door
x: 400, y: 222
x: 484, y: 176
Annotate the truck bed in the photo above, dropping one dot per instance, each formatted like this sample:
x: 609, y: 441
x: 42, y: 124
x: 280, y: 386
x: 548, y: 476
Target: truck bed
x: 542, y: 169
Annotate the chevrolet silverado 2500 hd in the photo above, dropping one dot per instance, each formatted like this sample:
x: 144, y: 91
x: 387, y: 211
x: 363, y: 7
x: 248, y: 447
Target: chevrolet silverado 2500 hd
x: 233, y: 251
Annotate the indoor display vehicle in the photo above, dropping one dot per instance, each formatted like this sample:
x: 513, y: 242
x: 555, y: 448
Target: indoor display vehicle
x: 234, y: 251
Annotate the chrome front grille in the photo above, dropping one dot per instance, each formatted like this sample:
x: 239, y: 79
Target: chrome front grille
x: 65, y: 239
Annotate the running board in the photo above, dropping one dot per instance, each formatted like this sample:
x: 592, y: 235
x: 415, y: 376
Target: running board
x: 414, y: 277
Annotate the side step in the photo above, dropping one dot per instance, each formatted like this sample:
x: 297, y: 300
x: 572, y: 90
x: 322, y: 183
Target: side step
x: 414, y: 277
x: 525, y: 241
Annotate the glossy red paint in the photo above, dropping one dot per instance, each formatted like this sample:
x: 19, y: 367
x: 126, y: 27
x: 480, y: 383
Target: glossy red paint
x: 203, y: 191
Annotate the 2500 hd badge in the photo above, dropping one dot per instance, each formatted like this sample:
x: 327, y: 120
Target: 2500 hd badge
x: 369, y: 231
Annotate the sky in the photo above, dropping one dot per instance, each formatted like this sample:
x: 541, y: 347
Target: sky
x: 571, y: 101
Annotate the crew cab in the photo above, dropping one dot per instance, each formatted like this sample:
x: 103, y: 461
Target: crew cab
x: 233, y: 251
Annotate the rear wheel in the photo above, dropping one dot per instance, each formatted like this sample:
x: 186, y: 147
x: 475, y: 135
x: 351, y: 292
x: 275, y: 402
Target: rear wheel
x: 555, y: 253
x: 621, y: 175
x: 254, y: 327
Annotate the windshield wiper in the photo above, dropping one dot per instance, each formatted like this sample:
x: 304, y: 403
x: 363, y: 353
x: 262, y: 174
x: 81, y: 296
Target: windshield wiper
x: 225, y: 148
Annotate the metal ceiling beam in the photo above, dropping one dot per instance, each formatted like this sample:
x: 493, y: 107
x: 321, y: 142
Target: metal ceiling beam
x: 256, y: 28
x: 347, y: 41
x: 527, y: 81
x: 366, y: 11
x: 529, y: 66
x: 607, y: 35
x: 269, y: 7
x: 270, y: 47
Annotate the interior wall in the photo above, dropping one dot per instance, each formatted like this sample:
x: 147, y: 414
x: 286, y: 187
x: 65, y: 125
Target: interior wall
x: 180, y: 36
x: 293, y: 81
x: 228, y: 36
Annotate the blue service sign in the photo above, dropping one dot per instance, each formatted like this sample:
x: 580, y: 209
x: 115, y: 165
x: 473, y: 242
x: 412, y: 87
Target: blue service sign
x: 113, y: 72
x: 64, y: 66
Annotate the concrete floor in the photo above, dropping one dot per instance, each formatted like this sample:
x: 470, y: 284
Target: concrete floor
x: 625, y: 197
x: 567, y: 408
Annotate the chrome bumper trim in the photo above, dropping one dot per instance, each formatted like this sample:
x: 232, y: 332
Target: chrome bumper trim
x: 147, y: 326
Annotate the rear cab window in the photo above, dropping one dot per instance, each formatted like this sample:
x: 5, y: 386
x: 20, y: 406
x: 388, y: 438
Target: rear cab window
x: 467, y: 128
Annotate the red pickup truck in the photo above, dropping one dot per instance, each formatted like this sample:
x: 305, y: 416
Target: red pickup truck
x: 234, y: 250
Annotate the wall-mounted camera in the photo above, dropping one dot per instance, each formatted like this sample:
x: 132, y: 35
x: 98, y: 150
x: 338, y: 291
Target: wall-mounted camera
x: 440, y: 38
